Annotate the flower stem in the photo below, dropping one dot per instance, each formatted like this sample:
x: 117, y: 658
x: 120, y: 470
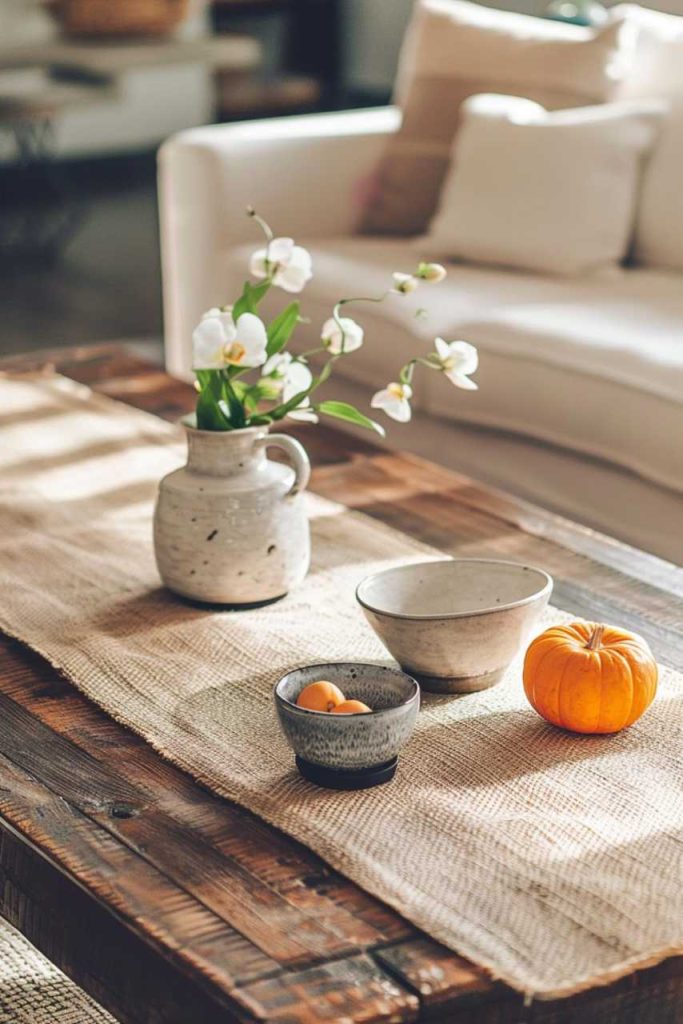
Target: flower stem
x: 267, y: 231
x: 309, y: 352
x: 406, y: 374
x: 345, y: 302
x: 265, y: 227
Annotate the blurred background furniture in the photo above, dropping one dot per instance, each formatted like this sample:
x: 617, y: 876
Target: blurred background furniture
x: 153, y: 87
x: 31, y: 100
x: 302, y: 66
x: 112, y: 100
x: 80, y: 119
x: 100, y: 18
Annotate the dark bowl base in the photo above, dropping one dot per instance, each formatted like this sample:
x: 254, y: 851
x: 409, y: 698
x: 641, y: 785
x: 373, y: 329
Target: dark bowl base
x: 457, y: 684
x: 350, y: 778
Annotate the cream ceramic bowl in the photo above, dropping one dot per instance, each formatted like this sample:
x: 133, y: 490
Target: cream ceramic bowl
x: 455, y: 625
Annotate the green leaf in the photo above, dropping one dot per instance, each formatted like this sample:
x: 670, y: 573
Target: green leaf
x: 282, y: 410
x: 250, y: 401
x: 344, y: 411
x: 280, y: 330
x: 264, y: 390
x: 210, y: 416
x: 241, y: 389
x: 237, y: 417
x: 214, y: 388
x: 250, y: 298
x: 208, y: 379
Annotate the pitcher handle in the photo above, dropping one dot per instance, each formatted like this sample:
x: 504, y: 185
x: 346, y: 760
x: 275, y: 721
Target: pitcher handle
x: 297, y: 456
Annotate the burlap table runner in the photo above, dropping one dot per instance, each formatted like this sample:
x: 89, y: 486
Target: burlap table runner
x: 554, y: 861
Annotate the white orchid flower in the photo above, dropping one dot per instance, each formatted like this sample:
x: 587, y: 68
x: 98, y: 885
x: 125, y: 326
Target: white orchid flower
x: 304, y: 414
x: 394, y: 400
x: 287, y: 373
x: 276, y: 366
x: 219, y: 342
x: 432, y: 273
x: 215, y: 331
x: 405, y: 283
x: 299, y: 378
x: 341, y: 336
x: 290, y: 265
x: 292, y: 377
x: 457, y: 359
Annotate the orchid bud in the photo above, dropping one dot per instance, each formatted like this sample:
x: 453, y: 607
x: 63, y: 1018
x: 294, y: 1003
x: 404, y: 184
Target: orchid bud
x: 405, y: 283
x: 433, y: 273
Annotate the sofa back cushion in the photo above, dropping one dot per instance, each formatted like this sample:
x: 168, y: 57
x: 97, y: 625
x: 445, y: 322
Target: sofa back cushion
x: 657, y: 68
x: 454, y: 49
x: 658, y: 72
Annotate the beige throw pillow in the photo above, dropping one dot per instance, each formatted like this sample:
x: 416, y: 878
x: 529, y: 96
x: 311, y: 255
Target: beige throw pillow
x: 554, y: 193
x: 454, y: 49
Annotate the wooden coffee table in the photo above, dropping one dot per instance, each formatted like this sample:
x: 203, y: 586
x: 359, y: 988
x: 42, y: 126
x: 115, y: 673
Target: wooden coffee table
x: 171, y: 906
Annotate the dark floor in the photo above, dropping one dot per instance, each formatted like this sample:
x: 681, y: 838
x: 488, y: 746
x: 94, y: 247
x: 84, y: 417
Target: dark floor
x: 105, y: 284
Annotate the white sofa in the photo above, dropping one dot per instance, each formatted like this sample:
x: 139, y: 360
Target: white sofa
x: 571, y: 370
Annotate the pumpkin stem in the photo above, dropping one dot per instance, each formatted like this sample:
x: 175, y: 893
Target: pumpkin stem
x: 595, y: 638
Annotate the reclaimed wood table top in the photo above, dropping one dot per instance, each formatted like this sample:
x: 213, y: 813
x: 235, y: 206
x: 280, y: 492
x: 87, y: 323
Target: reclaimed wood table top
x: 172, y: 906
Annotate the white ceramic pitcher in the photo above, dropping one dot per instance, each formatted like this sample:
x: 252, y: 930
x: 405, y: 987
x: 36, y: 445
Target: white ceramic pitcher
x: 230, y: 527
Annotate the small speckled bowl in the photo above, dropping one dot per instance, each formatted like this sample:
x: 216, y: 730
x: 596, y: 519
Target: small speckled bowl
x: 349, y: 751
x: 455, y: 624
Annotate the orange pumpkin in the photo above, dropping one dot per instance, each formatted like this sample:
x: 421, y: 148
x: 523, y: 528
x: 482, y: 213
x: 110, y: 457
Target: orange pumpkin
x: 590, y: 678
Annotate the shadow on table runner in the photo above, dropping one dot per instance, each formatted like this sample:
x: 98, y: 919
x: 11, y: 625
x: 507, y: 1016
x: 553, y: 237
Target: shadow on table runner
x: 552, y: 860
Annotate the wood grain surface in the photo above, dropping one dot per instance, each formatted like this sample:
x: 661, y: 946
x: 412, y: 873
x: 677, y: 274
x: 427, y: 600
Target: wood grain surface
x: 171, y: 906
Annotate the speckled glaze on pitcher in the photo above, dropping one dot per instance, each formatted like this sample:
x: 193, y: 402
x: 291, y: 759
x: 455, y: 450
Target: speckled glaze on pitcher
x: 230, y: 527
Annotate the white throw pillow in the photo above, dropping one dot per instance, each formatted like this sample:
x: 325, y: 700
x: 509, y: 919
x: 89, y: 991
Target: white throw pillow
x: 658, y: 72
x: 454, y: 49
x: 551, y: 192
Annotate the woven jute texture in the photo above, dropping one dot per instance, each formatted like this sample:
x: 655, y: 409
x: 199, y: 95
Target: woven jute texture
x: 34, y: 991
x: 552, y: 860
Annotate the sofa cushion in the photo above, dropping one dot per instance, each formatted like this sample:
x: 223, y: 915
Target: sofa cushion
x: 595, y: 365
x: 657, y: 69
x: 658, y: 72
x: 551, y: 192
x: 454, y: 49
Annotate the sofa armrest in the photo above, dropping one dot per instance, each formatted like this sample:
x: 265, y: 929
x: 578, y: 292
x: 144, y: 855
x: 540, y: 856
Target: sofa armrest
x: 299, y: 173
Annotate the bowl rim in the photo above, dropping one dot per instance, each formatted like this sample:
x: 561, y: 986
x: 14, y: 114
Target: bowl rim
x: 279, y: 699
x: 541, y: 592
